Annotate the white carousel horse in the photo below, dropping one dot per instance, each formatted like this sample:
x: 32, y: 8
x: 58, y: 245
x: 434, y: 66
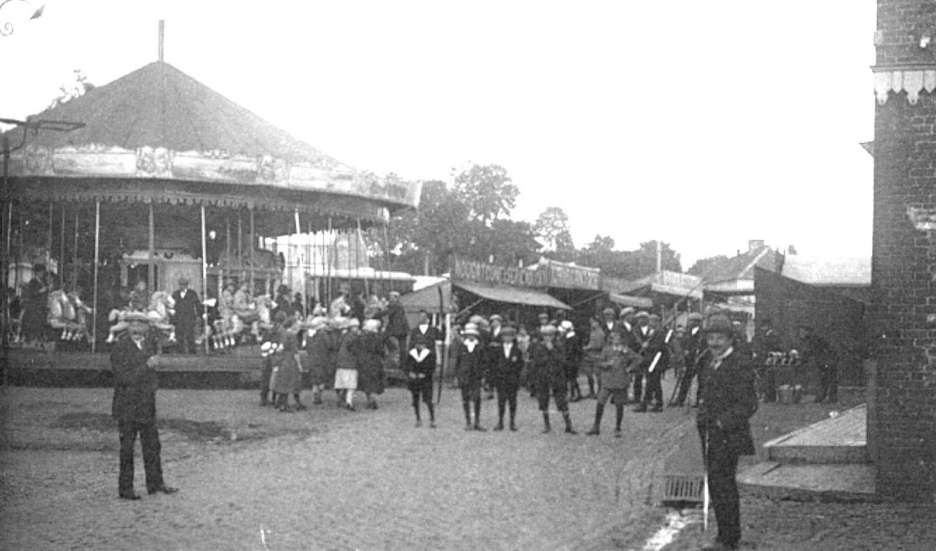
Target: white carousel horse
x: 63, y: 315
x: 254, y: 314
x: 161, y: 308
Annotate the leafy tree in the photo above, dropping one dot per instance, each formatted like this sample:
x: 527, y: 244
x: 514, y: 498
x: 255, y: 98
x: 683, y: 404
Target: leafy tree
x: 704, y: 266
x: 488, y: 192
x: 552, y: 229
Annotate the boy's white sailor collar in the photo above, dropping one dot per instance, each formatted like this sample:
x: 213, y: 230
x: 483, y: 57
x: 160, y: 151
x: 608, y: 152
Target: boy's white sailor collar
x: 419, y: 355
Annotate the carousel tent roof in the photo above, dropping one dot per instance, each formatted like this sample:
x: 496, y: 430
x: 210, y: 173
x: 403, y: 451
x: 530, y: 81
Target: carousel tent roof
x: 160, y: 106
x: 158, y: 135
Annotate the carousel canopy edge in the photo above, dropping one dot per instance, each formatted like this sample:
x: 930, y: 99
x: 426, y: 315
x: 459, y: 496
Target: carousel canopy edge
x: 149, y: 163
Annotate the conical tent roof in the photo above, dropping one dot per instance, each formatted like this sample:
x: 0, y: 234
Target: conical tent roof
x: 157, y: 134
x: 160, y: 106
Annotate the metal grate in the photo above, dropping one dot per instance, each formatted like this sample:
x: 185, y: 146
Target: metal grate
x: 682, y: 488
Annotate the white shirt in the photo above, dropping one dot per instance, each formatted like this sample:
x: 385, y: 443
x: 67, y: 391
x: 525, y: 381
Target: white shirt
x: 424, y: 328
x: 716, y: 363
x: 507, y: 348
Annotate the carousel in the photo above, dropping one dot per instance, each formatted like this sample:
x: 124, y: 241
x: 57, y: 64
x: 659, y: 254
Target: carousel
x: 164, y: 180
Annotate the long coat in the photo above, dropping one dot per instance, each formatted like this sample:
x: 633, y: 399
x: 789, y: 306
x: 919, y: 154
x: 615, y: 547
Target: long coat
x: 321, y: 348
x: 287, y: 378
x: 187, y: 310
x: 370, y: 349
x: 135, y: 383
x: 505, y: 368
x: 726, y: 404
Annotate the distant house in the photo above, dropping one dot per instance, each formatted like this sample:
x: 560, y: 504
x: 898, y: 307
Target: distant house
x: 735, y: 276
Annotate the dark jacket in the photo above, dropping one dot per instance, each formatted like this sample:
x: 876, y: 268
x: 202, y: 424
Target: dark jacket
x: 432, y: 333
x: 187, y: 310
x: 505, y: 368
x: 547, y: 367
x: 425, y: 367
x: 135, y: 383
x: 726, y: 404
x: 369, y: 349
x: 692, y: 346
x: 397, y: 326
x: 469, y: 366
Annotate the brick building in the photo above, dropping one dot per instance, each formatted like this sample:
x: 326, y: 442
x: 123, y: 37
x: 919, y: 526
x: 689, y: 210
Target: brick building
x: 902, y: 398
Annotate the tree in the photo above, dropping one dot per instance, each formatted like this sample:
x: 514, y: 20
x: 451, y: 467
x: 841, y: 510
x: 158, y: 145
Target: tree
x: 487, y: 191
x: 552, y: 229
x: 631, y: 265
x: 704, y: 266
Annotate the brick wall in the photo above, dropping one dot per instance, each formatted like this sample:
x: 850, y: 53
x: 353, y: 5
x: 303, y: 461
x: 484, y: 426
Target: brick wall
x: 903, y: 422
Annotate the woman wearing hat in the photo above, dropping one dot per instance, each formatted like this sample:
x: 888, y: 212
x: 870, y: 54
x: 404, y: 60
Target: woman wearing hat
x: 727, y: 402
x: 469, y: 369
x: 319, y: 346
x: 346, y: 374
x: 370, y: 350
x: 287, y: 376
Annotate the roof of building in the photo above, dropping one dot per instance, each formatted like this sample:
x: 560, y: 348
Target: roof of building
x: 742, y: 265
x: 845, y: 271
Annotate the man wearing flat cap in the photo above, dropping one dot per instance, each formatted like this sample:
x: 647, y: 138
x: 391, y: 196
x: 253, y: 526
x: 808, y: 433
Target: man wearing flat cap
x: 642, y: 334
x: 728, y: 400
x: 134, y: 406
x: 187, y: 313
x: 547, y: 369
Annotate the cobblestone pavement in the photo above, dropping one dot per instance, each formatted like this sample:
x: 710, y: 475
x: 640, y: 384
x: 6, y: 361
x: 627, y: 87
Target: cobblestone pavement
x: 336, y: 480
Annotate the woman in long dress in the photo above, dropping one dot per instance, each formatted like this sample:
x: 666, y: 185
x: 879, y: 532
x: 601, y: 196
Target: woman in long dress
x: 35, y: 306
x: 318, y: 348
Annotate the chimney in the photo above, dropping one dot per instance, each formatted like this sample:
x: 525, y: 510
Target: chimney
x: 754, y: 244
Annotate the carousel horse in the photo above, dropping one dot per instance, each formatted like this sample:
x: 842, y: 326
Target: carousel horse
x: 158, y: 311
x: 161, y: 308
x: 63, y: 315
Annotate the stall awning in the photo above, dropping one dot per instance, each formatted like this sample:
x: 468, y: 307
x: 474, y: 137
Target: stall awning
x: 513, y: 295
x: 627, y: 300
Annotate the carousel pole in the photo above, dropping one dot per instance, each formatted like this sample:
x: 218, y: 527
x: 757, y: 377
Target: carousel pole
x: 356, y: 245
x: 250, y: 254
x: 386, y: 237
x: 240, y: 245
x: 97, y: 257
x: 328, y: 280
x: 61, y: 268
x: 74, y: 280
x: 5, y: 261
x: 302, y: 273
x: 150, y: 267
x: 204, y: 273
x: 49, y: 246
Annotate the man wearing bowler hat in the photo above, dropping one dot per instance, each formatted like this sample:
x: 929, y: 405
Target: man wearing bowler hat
x: 134, y: 407
x: 727, y: 402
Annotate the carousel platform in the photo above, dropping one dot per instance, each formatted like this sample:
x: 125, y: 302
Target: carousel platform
x: 237, y: 368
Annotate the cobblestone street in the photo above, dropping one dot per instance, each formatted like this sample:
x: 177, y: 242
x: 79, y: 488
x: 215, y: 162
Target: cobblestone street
x: 342, y: 480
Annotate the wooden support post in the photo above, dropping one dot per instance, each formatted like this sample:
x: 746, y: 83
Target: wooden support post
x: 151, y: 267
x: 250, y: 254
x: 204, y: 289
x: 97, y: 258
x: 61, y: 267
x: 49, y: 241
x: 240, y: 245
x: 74, y: 280
x: 301, y: 263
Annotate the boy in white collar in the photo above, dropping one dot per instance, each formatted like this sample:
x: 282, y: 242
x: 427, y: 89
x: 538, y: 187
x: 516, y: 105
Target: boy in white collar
x: 420, y: 366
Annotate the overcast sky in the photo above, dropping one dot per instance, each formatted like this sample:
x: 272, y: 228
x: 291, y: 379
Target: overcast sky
x: 704, y: 124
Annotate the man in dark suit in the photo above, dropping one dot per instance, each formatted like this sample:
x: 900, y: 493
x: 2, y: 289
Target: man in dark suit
x: 692, y: 344
x: 187, y: 313
x: 727, y: 403
x: 469, y: 370
x: 642, y: 336
x: 134, y: 406
x: 426, y: 330
x: 506, y: 366
x: 396, y: 326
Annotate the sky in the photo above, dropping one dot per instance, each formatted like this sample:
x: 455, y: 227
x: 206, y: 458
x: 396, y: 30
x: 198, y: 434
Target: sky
x: 703, y: 124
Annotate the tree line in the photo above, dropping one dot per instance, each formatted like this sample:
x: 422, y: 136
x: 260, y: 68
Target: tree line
x: 472, y: 220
